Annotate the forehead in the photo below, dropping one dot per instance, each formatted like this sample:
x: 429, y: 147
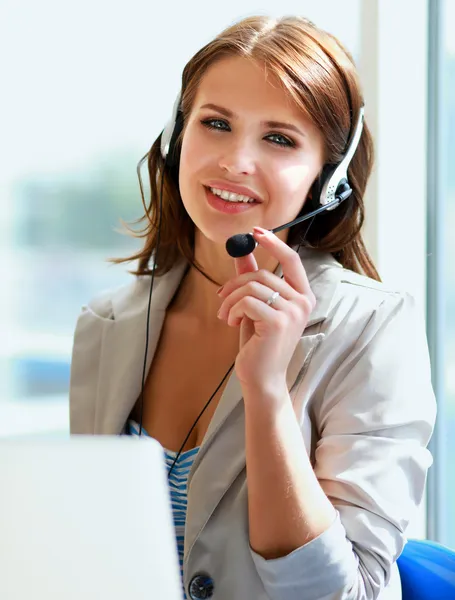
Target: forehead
x: 244, y: 86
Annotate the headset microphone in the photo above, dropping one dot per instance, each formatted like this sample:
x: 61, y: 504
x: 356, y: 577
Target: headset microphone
x: 243, y: 244
x: 334, y: 190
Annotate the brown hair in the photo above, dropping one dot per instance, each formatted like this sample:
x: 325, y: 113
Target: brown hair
x: 320, y: 75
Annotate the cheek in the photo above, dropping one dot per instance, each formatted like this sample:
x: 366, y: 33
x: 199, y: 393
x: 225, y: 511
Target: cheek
x: 296, y: 179
x: 194, y: 156
x: 188, y: 157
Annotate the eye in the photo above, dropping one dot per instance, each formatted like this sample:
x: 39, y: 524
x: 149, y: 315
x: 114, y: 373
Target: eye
x: 280, y: 140
x: 217, y: 124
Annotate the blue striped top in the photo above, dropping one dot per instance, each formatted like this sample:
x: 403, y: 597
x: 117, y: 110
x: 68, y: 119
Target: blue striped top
x: 178, y: 487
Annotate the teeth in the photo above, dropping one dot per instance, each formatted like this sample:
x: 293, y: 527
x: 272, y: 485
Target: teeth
x: 230, y: 196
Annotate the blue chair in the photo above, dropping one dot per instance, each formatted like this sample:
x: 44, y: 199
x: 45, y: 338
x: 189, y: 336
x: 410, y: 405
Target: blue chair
x: 427, y: 571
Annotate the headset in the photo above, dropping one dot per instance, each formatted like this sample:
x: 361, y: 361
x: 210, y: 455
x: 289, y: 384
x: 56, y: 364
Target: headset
x: 328, y: 192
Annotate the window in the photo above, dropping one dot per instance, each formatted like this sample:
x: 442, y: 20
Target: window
x: 441, y: 273
x: 90, y: 87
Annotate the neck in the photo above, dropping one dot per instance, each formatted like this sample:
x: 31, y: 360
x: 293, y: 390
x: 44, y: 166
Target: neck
x: 197, y: 297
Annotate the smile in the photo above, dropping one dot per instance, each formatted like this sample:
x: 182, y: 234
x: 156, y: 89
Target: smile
x: 229, y: 202
x: 231, y: 196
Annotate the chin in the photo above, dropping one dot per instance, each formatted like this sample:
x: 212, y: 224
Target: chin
x: 214, y: 234
x: 215, y: 237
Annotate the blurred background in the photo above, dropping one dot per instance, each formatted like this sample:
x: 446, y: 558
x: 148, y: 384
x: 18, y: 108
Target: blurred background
x: 87, y: 87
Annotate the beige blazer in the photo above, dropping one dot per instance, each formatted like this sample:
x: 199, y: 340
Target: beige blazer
x: 360, y: 383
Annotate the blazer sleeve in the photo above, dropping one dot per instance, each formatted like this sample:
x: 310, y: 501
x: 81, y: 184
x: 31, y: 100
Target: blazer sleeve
x: 375, y: 421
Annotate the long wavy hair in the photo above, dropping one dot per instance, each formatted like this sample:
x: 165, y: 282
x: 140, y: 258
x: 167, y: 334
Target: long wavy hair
x: 320, y: 76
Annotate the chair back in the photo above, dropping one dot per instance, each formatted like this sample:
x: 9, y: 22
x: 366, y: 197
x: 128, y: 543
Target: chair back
x: 427, y: 571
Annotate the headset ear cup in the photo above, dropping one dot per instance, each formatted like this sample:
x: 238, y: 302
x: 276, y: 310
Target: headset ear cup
x: 173, y: 157
x: 168, y: 132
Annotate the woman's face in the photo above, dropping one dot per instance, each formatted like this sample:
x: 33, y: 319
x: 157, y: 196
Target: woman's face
x: 245, y: 136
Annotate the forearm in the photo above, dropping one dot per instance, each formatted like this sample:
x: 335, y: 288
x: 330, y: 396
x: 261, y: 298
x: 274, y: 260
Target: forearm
x: 287, y: 506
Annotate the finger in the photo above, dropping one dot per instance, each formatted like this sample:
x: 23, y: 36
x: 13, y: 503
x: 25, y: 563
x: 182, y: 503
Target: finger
x: 262, y: 276
x: 245, y: 264
x: 254, y: 289
x: 255, y: 310
x: 293, y: 270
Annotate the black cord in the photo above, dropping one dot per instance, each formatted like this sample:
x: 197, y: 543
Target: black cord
x: 305, y: 234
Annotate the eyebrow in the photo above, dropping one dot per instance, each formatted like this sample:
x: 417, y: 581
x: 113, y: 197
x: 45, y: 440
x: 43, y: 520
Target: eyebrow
x: 272, y: 124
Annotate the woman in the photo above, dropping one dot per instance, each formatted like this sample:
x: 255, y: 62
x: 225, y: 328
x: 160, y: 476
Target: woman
x: 305, y: 467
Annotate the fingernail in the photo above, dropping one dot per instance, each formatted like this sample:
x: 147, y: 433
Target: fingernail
x: 260, y: 231
x: 218, y: 291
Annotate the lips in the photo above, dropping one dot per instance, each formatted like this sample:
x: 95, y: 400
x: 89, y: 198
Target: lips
x: 243, y: 198
x: 228, y: 186
x: 227, y: 207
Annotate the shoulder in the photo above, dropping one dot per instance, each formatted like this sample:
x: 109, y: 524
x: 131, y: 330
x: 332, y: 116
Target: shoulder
x: 132, y: 298
x: 118, y: 302
x: 356, y: 285
x: 100, y: 305
x: 363, y: 322
x: 104, y: 303
x: 346, y: 298
x: 371, y: 314
x: 370, y: 330
x: 364, y: 295
x: 374, y: 303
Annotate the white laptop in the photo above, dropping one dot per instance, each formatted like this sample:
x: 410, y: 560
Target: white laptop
x: 86, y: 518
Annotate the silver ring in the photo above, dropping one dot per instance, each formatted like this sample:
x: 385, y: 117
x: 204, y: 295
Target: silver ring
x: 273, y: 298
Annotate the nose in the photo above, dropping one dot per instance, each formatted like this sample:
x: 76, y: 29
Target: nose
x: 238, y: 158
